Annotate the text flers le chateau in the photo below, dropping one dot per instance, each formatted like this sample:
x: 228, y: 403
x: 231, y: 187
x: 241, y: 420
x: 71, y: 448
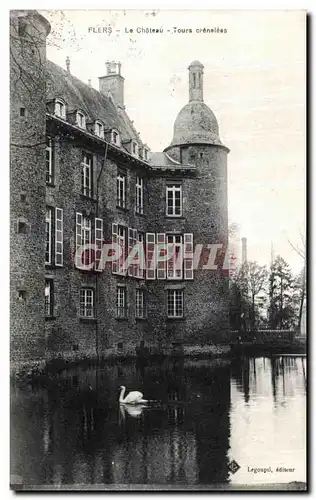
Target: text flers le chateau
x: 174, y: 30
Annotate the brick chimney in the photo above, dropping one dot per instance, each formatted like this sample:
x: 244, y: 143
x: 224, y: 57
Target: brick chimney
x: 113, y: 82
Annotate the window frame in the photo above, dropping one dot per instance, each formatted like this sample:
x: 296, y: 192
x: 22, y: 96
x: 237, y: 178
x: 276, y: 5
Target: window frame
x: 59, y: 237
x: 173, y: 187
x: 146, y: 154
x: 62, y: 108
x: 48, y: 235
x: 49, y: 305
x: 120, y: 240
x: 49, y: 173
x: 115, y: 137
x: 87, y: 188
x: 139, y: 195
x: 171, y: 263
x: 121, y: 178
x: 100, y: 124
x: 83, y: 304
x: 81, y: 119
x: 140, y: 270
x: 135, y: 146
x: 54, y: 236
x: 121, y: 310
x: 140, y: 311
x: 175, y: 292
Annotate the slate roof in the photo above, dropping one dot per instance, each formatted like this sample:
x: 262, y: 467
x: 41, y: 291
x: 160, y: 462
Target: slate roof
x: 78, y: 95
x: 97, y: 106
x: 163, y: 160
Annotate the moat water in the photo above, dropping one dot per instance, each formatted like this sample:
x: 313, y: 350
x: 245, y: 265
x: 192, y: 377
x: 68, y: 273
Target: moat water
x: 206, y: 415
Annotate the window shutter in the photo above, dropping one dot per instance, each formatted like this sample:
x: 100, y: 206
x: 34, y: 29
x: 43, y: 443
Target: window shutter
x: 59, y: 250
x: 132, y: 241
x: 188, y: 256
x: 134, y: 267
x: 161, y: 258
x: 98, y: 243
x: 130, y: 246
x: 114, y: 242
x: 150, y: 256
x: 78, y: 239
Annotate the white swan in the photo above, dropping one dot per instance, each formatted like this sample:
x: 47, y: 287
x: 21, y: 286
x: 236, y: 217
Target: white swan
x: 133, y: 398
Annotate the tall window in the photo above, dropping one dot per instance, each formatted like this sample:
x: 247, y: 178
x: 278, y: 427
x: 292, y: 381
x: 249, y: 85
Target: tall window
x: 119, y: 236
x: 174, y: 200
x: 80, y: 119
x: 58, y: 237
x: 121, y: 190
x: 140, y: 306
x: 60, y: 109
x: 99, y: 129
x: 87, y: 303
x: 174, y: 264
x: 48, y: 230
x: 121, y: 302
x: 140, y: 271
x: 139, y: 195
x: 175, y: 303
x: 86, y: 175
x: 49, y: 161
x: 84, y: 228
x: 49, y: 298
x: 54, y: 236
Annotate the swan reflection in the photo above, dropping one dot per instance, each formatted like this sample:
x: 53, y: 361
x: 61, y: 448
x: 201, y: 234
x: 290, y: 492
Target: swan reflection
x: 134, y: 411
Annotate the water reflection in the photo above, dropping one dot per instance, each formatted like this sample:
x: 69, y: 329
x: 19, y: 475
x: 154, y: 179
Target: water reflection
x: 270, y: 430
x: 205, y: 414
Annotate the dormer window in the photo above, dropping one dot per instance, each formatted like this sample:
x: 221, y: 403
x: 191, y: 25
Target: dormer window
x: 60, y: 109
x: 145, y: 154
x: 99, y: 129
x: 81, y: 119
x: 115, y: 137
x: 134, y: 148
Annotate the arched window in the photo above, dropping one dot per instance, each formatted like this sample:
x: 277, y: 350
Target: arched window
x: 81, y: 119
x: 134, y: 149
x: 194, y: 80
x: 115, y: 137
x: 60, y: 108
x: 99, y: 129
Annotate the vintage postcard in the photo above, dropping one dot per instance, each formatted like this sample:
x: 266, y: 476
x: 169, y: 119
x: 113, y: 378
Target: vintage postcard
x: 157, y: 246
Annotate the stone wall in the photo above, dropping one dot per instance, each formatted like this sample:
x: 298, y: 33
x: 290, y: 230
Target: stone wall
x: 27, y: 183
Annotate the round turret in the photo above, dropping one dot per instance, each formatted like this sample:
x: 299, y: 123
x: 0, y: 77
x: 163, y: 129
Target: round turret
x: 195, y: 123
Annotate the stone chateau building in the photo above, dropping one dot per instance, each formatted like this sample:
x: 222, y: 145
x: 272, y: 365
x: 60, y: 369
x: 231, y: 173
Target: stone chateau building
x: 81, y: 174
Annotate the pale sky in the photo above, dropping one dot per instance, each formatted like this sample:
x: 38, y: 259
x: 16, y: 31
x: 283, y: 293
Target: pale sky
x: 254, y: 81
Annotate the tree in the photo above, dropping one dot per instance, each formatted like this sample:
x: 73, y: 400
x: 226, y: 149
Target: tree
x: 301, y: 279
x: 257, y: 277
x: 282, y: 308
x: 238, y: 301
x: 246, y: 286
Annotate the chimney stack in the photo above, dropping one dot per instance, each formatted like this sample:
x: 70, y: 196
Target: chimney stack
x: 244, y: 250
x: 113, y: 82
